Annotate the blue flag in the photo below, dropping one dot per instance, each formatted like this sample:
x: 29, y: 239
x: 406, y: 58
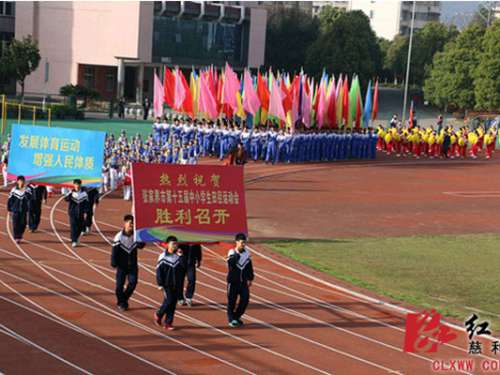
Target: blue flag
x: 368, y: 105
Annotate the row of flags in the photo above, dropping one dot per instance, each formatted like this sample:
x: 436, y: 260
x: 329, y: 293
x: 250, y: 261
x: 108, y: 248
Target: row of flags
x: 328, y: 103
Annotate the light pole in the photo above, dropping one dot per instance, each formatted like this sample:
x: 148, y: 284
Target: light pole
x: 408, y: 63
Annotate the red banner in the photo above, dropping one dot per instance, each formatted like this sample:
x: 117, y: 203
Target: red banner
x: 195, y: 203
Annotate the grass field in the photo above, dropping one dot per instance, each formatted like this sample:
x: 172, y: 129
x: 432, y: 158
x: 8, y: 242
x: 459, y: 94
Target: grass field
x: 454, y: 274
x: 111, y: 126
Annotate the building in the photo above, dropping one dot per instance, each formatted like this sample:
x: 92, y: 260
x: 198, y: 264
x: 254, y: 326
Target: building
x: 114, y: 47
x: 318, y: 5
x: 7, y: 29
x: 390, y: 17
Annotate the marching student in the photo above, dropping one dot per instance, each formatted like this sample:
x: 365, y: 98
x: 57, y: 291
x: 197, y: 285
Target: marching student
x: 169, y: 274
x: 124, y: 260
x: 127, y: 183
x: 78, y: 207
x: 38, y: 194
x: 93, y: 195
x: 17, y: 205
x: 192, y: 261
x: 239, y: 279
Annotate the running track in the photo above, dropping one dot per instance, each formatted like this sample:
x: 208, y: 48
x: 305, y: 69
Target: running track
x: 58, y: 314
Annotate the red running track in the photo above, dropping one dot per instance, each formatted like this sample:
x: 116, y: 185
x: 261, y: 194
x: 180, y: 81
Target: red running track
x: 57, y: 308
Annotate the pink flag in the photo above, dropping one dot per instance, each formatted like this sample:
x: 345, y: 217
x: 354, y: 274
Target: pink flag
x: 276, y: 102
x: 320, y: 116
x: 251, y: 102
x: 158, y: 99
x: 207, y: 103
x: 306, y: 106
x: 231, y: 87
x: 180, y: 91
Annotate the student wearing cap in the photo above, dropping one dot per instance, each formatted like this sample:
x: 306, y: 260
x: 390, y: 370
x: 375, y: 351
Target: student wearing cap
x: 78, y: 207
x: 169, y: 274
x: 124, y: 260
x: 239, y: 279
x: 18, y: 205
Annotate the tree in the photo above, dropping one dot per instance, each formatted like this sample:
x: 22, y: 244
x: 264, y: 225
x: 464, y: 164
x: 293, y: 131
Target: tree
x: 427, y: 41
x: 74, y: 92
x: 289, y: 32
x: 451, y: 75
x: 384, y: 46
x: 20, y: 59
x: 346, y: 44
x: 487, y: 72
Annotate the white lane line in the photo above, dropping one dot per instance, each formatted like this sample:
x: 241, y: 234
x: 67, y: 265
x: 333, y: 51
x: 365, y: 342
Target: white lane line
x: 8, y: 332
x: 108, y: 311
x: 65, y: 323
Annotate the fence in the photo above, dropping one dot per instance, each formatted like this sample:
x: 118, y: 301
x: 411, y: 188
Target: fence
x: 23, y: 113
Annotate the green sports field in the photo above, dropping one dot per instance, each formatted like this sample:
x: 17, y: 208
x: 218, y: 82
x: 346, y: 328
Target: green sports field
x: 456, y: 275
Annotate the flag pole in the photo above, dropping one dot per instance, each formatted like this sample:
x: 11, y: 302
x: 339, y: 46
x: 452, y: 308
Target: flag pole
x: 408, y: 62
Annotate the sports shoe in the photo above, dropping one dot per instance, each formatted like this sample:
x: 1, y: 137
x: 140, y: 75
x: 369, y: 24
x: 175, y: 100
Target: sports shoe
x: 189, y: 302
x: 234, y: 323
x: 168, y: 327
x: 181, y: 302
x: 240, y: 322
x: 157, y: 319
x: 18, y: 241
x: 74, y: 244
x: 122, y: 307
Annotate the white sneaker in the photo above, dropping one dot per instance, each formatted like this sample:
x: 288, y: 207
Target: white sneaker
x: 181, y: 302
x: 189, y: 301
x: 74, y: 244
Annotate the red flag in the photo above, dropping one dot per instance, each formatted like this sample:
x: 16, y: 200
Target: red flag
x: 263, y: 92
x: 287, y: 97
x: 345, y: 97
x: 187, y: 104
x: 169, y: 87
x: 332, y: 112
x: 375, y: 101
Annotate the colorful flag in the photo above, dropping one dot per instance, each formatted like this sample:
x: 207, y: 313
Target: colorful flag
x: 276, y: 102
x: 231, y: 87
x: 169, y: 86
x: 158, y: 96
x: 375, y: 101
x: 368, y: 105
x: 207, y: 104
x: 179, y: 91
x: 251, y: 101
x: 411, y: 114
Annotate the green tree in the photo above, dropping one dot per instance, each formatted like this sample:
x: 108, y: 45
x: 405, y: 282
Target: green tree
x: 289, y: 32
x: 426, y: 42
x: 451, y: 75
x: 487, y: 72
x: 20, y: 59
x: 346, y: 44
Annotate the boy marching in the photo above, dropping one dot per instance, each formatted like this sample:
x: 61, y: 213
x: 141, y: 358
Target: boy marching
x: 239, y: 279
x: 124, y: 260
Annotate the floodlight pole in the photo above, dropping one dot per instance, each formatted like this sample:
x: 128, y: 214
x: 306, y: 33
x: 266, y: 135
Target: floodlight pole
x: 408, y: 63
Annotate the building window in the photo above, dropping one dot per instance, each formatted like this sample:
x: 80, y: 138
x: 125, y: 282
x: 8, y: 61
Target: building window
x: 110, y: 80
x: 89, y: 77
x: 8, y: 8
x: 371, y: 14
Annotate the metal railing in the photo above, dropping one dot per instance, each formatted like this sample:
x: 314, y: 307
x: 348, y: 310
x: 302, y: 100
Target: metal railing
x: 21, y: 112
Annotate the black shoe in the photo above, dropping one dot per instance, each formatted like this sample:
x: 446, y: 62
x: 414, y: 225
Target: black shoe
x: 240, y: 322
x: 123, y: 307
